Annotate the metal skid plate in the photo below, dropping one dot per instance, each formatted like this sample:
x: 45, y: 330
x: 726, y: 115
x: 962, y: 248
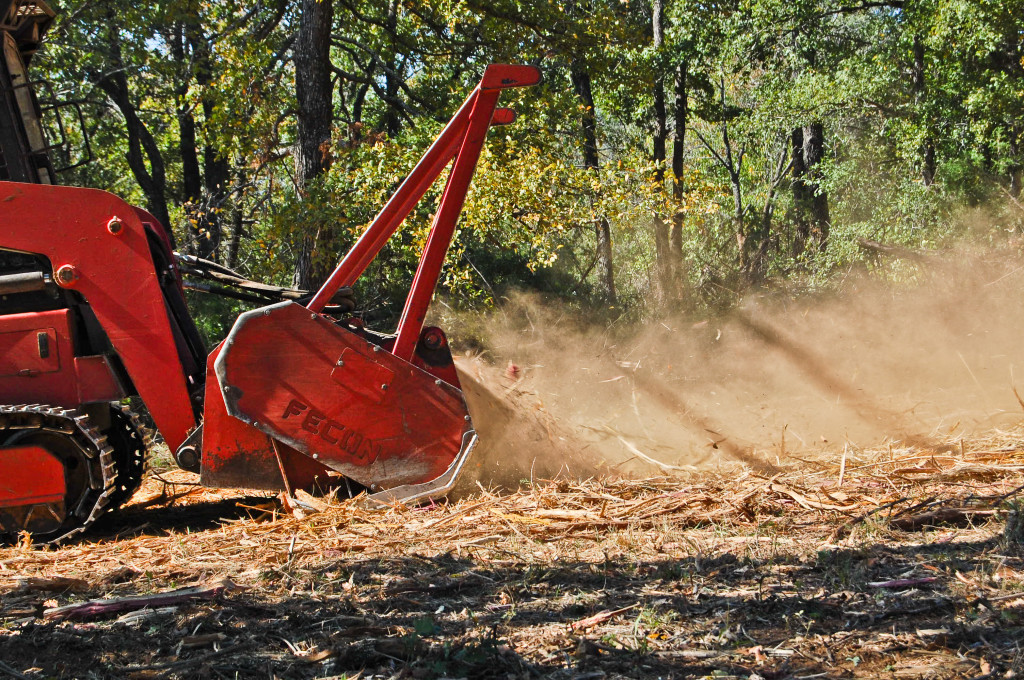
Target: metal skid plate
x: 328, y: 393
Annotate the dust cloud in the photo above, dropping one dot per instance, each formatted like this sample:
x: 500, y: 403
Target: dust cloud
x: 929, y: 355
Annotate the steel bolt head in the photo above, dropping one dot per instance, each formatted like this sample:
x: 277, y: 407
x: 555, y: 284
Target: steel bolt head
x: 66, y: 275
x: 115, y: 226
x: 433, y: 340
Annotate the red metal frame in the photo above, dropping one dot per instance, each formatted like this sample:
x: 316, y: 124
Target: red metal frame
x: 462, y: 139
x: 113, y: 270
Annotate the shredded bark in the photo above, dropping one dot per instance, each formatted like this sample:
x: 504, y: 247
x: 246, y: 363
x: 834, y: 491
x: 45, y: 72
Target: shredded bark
x: 883, y: 563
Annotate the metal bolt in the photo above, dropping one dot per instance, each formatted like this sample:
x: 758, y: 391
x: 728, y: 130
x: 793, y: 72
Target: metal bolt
x: 437, y: 382
x: 66, y: 275
x: 316, y: 455
x: 115, y: 226
x: 313, y: 316
x: 340, y: 363
x: 266, y: 312
x: 468, y: 419
x: 376, y: 348
x: 384, y: 386
x: 433, y: 340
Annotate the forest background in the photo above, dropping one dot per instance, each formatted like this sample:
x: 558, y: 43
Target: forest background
x: 677, y: 156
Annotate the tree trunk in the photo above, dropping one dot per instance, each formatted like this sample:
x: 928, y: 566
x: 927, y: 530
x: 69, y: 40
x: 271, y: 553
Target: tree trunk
x: 142, y: 146
x: 216, y: 182
x: 605, y: 273
x: 392, y: 116
x: 191, y: 177
x: 800, y: 193
x: 663, y: 259
x: 1015, y: 168
x: 675, y: 237
x: 810, y: 202
x: 237, y: 224
x: 918, y: 85
x: 313, y: 92
x: 216, y: 169
x: 814, y: 152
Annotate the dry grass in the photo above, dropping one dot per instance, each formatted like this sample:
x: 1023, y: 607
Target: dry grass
x: 882, y: 563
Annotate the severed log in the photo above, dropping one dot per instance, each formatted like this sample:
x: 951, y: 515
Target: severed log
x: 98, y: 608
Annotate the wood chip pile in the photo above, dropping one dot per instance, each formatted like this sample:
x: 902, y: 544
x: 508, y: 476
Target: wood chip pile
x: 885, y: 563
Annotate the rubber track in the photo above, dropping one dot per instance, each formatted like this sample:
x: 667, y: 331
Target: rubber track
x: 128, y: 481
x: 99, y: 454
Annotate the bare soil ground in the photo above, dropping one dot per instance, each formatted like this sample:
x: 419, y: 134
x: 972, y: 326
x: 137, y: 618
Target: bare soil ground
x: 896, y: 563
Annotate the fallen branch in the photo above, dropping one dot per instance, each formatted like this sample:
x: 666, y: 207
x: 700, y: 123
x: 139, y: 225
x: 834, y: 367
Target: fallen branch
x: 11, y: 672
x: 807, y: 503
x: 903, y: 582
x: 653, y: 461
x: 185, y: 663
x: 98, y: 608
x: 58, y: 584
x: 599, y: 618
x: 954, y: 516
x: 892, y: 251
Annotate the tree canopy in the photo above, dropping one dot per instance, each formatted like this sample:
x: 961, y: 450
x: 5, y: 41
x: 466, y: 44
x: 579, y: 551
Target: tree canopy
x: 675, y: 155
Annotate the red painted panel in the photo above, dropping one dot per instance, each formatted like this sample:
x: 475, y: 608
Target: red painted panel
x: 96, y: 380
x: 28, y: 352
x: 25, y: 377
x: 502, y: 76
x: 240, y: 456
x: 276, y: 372
x: 115, y: 273
x: 30, y: 475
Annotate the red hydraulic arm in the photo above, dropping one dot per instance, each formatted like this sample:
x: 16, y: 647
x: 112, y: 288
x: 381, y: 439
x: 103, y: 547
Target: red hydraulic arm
x: 462, y: 139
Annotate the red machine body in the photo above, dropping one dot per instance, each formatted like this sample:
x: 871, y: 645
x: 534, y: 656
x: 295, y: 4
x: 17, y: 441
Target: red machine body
x: 92, y: 311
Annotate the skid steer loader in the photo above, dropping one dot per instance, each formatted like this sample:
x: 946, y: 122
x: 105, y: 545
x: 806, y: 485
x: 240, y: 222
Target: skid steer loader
x: 92, y: 311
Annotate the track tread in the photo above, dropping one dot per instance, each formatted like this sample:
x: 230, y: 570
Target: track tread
x: 98, y: 452
x: 132, y: 462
